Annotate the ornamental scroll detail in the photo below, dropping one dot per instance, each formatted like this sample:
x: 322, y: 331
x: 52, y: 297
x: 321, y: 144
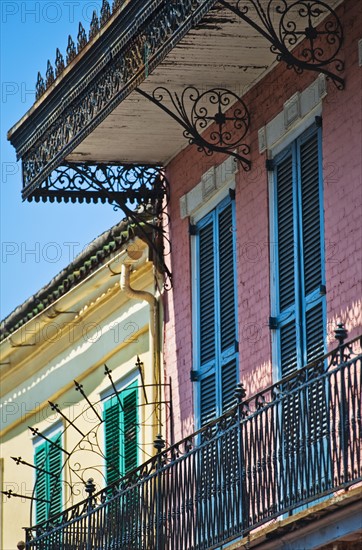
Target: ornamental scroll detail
x: 141, y: 192
x: 103, y: 88
x: 284, y: 23
x: 195, y: 111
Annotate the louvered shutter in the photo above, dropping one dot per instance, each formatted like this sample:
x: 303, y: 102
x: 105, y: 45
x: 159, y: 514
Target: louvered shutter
x: 130, y: 430
x: 226, y: 279
x: 311, y: 230
x: 54, y: 481
x: 112, y: 439
x: 207, y: 399
x: 207, y: 335
x: 286, y: 264
x: 300, y: 269
x: 207, y: 292
x: 216, y: 294
x: 286, y: 243
x: 41, y: 492
x: 229, y: 381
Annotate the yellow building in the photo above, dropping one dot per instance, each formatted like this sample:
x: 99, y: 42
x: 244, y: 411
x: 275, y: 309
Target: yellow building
x: 54, y: 349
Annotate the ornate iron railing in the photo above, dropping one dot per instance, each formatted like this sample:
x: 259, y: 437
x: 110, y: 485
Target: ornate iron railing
x: 295, y: 442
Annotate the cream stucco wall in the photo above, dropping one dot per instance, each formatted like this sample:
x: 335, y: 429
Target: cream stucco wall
x: 101, y: 326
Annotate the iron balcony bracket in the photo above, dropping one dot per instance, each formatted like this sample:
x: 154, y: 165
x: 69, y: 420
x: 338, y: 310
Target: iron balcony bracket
x: 284, y: 24
x: 141, y: 192
x: 195, y: 111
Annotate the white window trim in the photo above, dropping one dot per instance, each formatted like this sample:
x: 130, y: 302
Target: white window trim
x: 212, y: 188
x: 294, y: 119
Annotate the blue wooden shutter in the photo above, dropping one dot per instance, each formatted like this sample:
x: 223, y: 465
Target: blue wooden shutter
x: 226, y: 279
x: 207, y: 327
x: 217, y: 365
x: 41, y: 492
x: 311, y: 246
x: 112, y: 439
x: 286, y: 264
x: 130, y: 430
x: 286, y: 243
x: 300, y: 313
x: 207, y: 292
x: 229, y: 380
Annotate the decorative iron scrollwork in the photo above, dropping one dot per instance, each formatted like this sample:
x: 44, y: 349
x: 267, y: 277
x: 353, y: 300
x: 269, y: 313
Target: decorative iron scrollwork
x: 88, y: 458
x: 195, y: 111
x: 284, y: 24
x: 141, y: 192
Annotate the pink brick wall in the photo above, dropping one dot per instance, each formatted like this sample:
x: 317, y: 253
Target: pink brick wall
x: 342, y: 194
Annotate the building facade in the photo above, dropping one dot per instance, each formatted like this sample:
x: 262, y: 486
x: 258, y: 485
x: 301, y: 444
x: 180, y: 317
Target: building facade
x: 259, y: 213
x: 80, y: 392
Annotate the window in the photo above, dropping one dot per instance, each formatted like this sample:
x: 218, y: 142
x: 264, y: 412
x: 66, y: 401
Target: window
x: 121, y: 433
x: 216, y: 326
x: 48, y: 489
x: 300, y: 311
x: 299, y: 267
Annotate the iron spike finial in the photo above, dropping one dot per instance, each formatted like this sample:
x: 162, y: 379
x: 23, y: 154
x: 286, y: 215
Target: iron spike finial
x: 49, y: 75
x: 40, y: 86
x: 94, y: 26
x: 340, y: 333
x: 117, y: 4
x: 71, y: 50
x: 240, y: 392
x: 105, y: 12
x: 59, y: 63
x: 82, y: 37
x: 159, y: 443
x: 90, y: 486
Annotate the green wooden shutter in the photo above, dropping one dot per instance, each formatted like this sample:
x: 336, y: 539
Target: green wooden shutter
x: 54, y: 481
x: 48, y: 485
x: 130, y: 430
x: 41, y: 492
x: 112, y: 439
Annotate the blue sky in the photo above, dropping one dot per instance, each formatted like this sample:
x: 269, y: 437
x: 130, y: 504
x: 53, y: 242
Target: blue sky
x: 37, y: 239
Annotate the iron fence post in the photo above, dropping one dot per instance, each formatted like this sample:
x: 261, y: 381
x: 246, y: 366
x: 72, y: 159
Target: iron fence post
x: 159, y: 444
x: 340, y: 335
x: 89, y: 489
x: 240, y: 394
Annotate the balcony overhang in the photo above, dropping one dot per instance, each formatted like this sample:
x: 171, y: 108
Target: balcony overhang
x: 92, y: 113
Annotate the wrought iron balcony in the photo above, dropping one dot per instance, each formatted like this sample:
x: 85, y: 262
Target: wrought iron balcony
x: 295, y: 442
